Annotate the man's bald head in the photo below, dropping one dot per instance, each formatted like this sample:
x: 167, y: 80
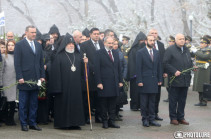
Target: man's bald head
x: 154, y: 33
x: 10, y: 35
x: 77, y: 35
x: 180, y: 40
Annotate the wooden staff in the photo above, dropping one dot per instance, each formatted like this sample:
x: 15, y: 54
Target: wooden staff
x: 87, y: 85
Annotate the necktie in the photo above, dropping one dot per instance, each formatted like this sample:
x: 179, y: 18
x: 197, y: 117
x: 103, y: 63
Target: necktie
x: 156, y: 45
x: 32, y: 46
x: 78, y: 47
x: 109, y: 53
x: 96, y: 46
x: 151, y: 55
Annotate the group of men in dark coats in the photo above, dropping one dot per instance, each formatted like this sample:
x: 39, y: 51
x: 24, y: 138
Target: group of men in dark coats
x: 62, y: 63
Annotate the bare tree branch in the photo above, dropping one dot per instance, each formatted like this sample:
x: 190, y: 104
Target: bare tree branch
x: 107, y: 10
x: 0, y: 7
x: 113, y: 6
x: 86, y: 7
x: 184, y: 19
x: 76, y: 10
x: 68, y: 15
x: 152, y: 11
x: 21, y: 12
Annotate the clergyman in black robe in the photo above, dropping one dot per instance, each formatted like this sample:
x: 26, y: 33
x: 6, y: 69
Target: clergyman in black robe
x: 65, y: 82
x: 131, y: 75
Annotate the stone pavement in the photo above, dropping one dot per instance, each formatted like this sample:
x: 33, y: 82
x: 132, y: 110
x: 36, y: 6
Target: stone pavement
x: 131, y: 126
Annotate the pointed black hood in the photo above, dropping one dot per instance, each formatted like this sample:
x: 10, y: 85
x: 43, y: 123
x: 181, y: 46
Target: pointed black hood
x: 140, y: 36
x: 66, y: 40
x: 54, y: 29
x: 86, y: 32
x: 38, y: 34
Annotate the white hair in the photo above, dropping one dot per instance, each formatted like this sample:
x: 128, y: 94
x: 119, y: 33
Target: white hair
x: 75, y: 33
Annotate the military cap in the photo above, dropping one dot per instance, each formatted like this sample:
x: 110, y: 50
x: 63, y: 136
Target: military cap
x: 188, y: 38
x: 126, y: 38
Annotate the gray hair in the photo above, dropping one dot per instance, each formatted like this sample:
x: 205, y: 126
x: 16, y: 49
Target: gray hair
x: 106, y: 38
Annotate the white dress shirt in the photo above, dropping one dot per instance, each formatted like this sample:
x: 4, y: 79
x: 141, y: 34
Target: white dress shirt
x: 30, y: 44
x: 97, y: 44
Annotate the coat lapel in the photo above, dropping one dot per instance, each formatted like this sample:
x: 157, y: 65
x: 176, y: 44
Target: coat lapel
x: 147, y: 53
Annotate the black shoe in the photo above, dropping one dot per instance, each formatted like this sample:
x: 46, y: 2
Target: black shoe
x: 24, y: 128
x: 134, y: 109
x: 118, y: 119
x: 146, y: 123
x: 120, y: 109
x: 113, y: 125
x: 166, y: 100
x: 158, y: 118
x: 35, y: 127
x: 120, y: 115
x: 105, y: 124
x: 74, y: 128
x: 11, y: 123
x: 154, y: 123
x: 200, y: 104
x: 98, y: 120
x: 88, y: 121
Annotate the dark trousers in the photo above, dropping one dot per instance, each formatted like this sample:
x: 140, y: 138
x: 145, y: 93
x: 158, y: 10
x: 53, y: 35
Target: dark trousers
x: 134, y: 95
x: 51, y: 105
x: 108, y: 108
x: 201, y: 98
x: 94, y: 104
x: 177, y: 101
x: 42, y: 111
x: 10, y: 110
x: 147, y: 106
x: 28, y: 104
x: 157, y: 100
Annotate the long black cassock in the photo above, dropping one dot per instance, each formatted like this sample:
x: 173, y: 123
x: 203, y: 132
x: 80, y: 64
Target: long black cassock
x: 66, y: 85
x: 131, y: 76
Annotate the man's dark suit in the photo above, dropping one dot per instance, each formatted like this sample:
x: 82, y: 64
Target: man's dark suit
x: 29, y: 66
x: 149, y: 73
x: 90, y: 50
x: 161, y: 50
x: 108, y: 73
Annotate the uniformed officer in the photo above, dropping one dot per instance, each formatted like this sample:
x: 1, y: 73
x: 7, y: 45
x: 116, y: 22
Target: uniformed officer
x: 188, y: 41
x: 125, y: 46
x: 202, y: 75
x: 171, y: 41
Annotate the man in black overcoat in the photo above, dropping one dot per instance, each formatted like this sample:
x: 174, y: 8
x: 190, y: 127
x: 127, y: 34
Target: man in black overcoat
x: 108, y: 78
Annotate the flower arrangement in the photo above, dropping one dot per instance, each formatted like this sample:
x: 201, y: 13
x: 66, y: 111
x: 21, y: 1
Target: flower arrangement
x: 42, y: 91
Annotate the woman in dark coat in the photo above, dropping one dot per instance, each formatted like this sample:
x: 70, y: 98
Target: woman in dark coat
x: 122, y: 98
